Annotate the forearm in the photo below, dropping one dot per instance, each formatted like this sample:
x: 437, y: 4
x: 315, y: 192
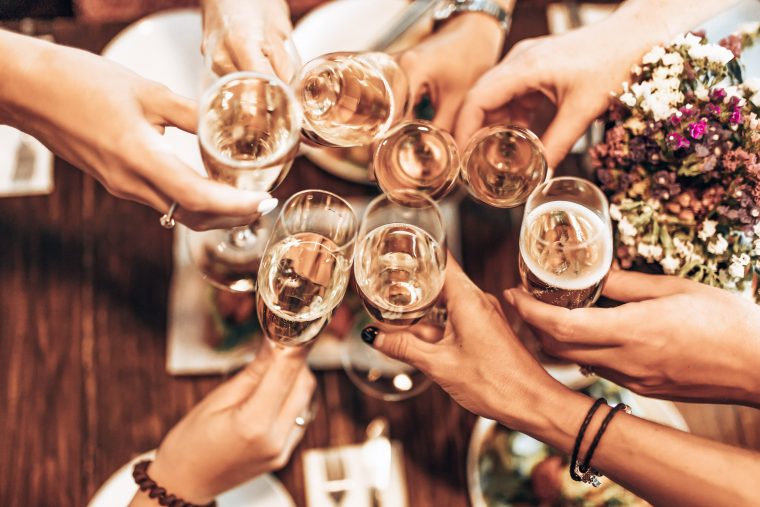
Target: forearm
x: 17, y: 68
x: 660, y: 464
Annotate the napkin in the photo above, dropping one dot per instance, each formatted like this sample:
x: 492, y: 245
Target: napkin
x: 188, y: 347
x: 26, y: 166
x: 356, y: 482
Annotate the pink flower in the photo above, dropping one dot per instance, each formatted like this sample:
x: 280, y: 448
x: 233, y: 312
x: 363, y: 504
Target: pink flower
x: 713, y: 109
x: 698, y: 129
x: 718, y: 94
x: 736, y: 116
x: 677, y: 141
x: 674, y: 119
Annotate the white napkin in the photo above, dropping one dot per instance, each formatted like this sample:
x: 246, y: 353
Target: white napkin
x: 357, y: 485
x: 26, y: 166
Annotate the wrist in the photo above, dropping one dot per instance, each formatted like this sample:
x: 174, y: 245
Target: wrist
x: 182, y: 485
x: 481, y: 25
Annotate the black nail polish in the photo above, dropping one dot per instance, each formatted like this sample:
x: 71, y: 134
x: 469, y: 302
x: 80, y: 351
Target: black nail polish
x: 369, y: 334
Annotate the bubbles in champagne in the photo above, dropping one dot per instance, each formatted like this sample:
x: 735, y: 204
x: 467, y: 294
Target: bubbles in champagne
x: 565, y: 253
x: 503, y: 165
x: 399, y: 271
x: 417, y: 156
x: 301, y: 281
x: 249, y: 133
x: 347, y: 100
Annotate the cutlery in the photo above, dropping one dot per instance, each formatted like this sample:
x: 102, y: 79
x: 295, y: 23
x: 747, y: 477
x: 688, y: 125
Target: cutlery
x: 336, y: 485
x: 405, y: 21
x: 376, y: 459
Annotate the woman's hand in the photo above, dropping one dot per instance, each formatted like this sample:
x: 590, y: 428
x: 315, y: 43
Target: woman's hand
x: 673, y: 338
x: 109, y: 122
x: 479, y: 361
x: 248, y: 35
x: 447, y: 63
x: 244, y: 428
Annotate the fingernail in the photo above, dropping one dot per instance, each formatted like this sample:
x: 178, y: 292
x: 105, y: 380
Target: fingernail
x: 369, y: 334
x: 509, y: 297
x: 267, y: 205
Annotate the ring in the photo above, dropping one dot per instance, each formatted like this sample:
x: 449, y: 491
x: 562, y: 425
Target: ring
x: 587, y: 370
x: 301, y: 421
x: 167, y: 222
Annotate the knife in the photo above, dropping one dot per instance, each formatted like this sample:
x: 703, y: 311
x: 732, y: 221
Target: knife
x: 403, y: 22
x: 376, y: 459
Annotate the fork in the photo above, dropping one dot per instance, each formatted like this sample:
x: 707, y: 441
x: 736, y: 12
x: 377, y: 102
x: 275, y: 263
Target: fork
x: 336, y: 477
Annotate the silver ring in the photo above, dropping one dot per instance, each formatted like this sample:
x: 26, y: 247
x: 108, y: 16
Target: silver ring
x: 167, y: 222
x: 301, y: 421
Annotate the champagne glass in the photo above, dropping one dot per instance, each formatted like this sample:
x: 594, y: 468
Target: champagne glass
x: 305, y: 269
x: 248, y: 131
x: 566, y: 242
x: 351, y: 99
x: 500, y: 166
x: 399, y: 268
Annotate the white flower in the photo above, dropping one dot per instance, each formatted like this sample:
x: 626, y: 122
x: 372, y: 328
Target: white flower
x: 742, y: 260
x: 712, y: 53
x: 688, y: 40
x: 719, y: 246
x: 756, y: 229
x: 708, y: 230
x: 626, y: 228
x: 752, y: 84
x: 672, y: 59
x: 650, y: 251
x: 754, y: 121
x: 670, y: 264
x: 736, y: 270
x: 731, y: 92
x: 628, y: 99
x: 654, y: 55
x: 749, y: 28
x: 726, y: 280
x: 615, y: 213
x: 702, y: 93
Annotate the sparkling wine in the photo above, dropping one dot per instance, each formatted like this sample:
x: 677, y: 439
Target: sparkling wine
x: 503, y: 165
x: 417, y: 156
x: 230, y: 259
x: 347, y: 99
x: 565, y: 254
x: 301, y: 281
x: 249, y: 134
x: 399, y: 271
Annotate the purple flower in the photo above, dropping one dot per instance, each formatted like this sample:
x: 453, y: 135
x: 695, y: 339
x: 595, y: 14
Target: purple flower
x: 736, y: 116
x: 677, y: 141
x: 718, y: 94
x: 698, y: 129
x: 674, y: 119
x: 713, y: 109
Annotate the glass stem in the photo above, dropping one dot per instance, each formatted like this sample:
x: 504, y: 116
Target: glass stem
x: 243, y: 236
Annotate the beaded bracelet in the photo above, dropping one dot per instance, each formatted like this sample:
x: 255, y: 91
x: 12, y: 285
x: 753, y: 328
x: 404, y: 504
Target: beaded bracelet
x: 145, y: 483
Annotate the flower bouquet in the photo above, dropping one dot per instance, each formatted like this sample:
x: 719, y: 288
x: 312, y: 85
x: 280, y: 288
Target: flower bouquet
x: 680, y: 163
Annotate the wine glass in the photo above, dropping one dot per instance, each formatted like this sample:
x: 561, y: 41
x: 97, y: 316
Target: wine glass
x: 566, y: 242
x: 501, y: 165
x: 248, y: 131
x: 305, y: 269
x: 399, y: 268
x: 351, y: 99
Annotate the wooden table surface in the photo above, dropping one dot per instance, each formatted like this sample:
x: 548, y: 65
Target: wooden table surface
x: 84, y: 279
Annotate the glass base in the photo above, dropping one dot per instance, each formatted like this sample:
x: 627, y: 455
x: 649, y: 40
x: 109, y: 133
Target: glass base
x: 229, y: 259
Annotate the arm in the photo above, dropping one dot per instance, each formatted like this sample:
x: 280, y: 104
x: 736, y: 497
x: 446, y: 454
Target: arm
x: 485, y: 368
x: 109, y: 122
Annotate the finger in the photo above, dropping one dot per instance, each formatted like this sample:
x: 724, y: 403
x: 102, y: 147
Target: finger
x: 627, y: 286
x: 247, y: 54
x: 494, y: 89
x: 446, y: 113
x: 296, y: 405
x: 594, y: 355
x: 274, y: 388
x: 565, y: 129
x: 244, y: 383
x: 406, y: 347
x: 597, y: 326
x: 497, y: 305
x: 180, y: 112
x: 281, y: 60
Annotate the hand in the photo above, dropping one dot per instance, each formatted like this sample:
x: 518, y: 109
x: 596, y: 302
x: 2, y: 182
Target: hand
x: 577, y: 71
x: 244, y: 428
x: 248, y: 35
x: 447, y: 63
x: 109, y: 122
x: 674, y: 338
x: 479, y: 361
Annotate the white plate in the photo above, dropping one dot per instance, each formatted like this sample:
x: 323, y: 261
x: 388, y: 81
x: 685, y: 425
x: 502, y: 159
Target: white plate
x: 263, y: 491
x: 342, y: 25
x: 659, y: 411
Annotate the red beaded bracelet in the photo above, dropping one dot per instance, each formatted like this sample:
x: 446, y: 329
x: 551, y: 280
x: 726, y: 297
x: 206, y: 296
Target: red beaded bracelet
x: 145, y: 483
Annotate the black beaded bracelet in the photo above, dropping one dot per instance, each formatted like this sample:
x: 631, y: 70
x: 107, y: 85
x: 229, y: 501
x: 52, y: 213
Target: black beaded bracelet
x: 145, y: 483
x: 578, y: 439
x: 584, y: 467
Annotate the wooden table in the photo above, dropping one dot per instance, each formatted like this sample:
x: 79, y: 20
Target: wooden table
x: 84, y: 279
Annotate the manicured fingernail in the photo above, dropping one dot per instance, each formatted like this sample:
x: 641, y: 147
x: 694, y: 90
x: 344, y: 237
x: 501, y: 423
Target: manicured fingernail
x: 369, y: 334
x: 509, y: 297
x: 267, y: 205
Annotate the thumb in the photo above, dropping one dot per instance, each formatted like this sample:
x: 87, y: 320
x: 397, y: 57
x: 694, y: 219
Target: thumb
x: 180, y: 112
x: 565, y: 129
x: 401, y: 345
